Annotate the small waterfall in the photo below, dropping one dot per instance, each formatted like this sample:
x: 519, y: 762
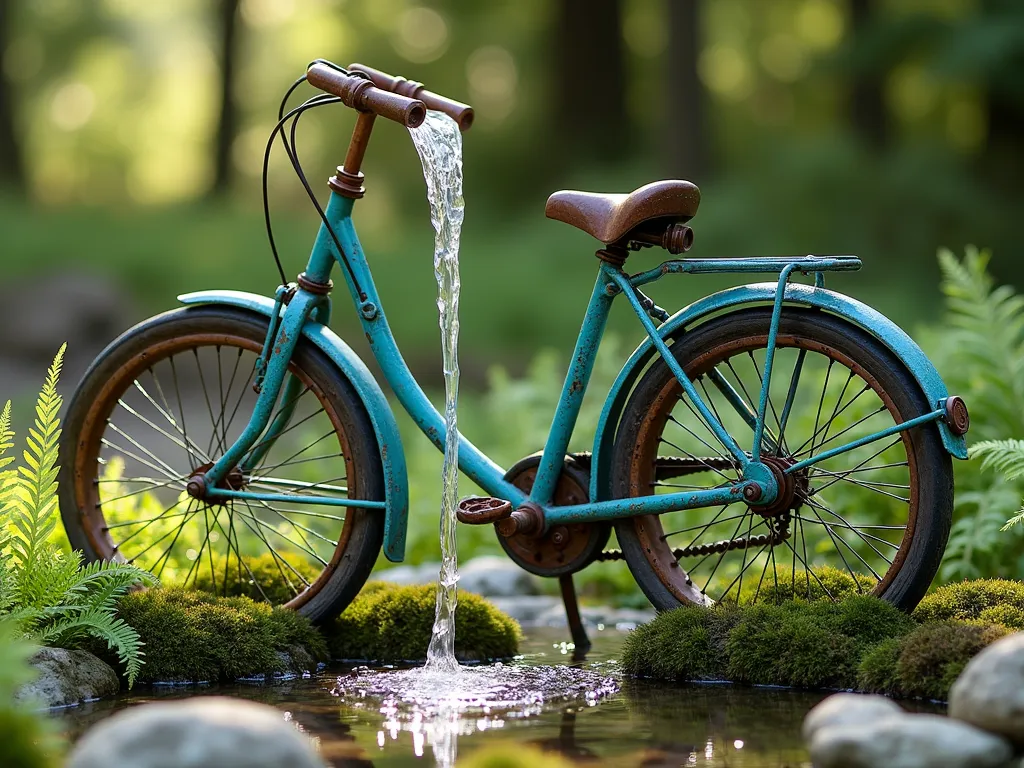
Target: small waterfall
x: 439, y: 144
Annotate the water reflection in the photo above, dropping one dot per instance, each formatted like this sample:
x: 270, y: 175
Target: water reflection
x: 643, y: 724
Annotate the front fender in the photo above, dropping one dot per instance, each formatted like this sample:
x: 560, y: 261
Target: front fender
x: 858, y: 313
x: 392, y: 455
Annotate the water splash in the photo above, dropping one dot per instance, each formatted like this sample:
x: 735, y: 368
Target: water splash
x: 439, y: 144
x: 436, y: 708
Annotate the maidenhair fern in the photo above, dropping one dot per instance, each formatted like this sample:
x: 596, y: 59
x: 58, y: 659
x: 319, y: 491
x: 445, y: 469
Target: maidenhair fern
x: 51, y: 596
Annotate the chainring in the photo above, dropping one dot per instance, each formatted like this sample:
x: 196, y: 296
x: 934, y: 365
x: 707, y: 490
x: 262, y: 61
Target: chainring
x: 563, y: 549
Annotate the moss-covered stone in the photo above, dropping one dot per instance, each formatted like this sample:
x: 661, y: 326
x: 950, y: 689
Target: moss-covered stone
x: 934, y: 655
x: 878, y: 671
x: 390, y: 623
x: 263, y: 578
x: 685, y: 644
x: 192, y: 636
x: 968, y: 600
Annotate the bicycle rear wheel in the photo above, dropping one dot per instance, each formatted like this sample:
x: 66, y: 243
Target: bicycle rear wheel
x: 880, y: 514
x: 167, y: 399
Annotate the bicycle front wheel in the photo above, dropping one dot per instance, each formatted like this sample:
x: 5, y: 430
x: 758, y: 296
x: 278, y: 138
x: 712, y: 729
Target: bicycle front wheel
x: 880, y: 513
x: 164, y: 401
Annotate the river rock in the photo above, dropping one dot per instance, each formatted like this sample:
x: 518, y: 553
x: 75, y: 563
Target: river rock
x: 409, y: 575
x: 65, y: 678
x: 908, y: 741
x: 528, y: 610
x: 990, y: 691
x: 849, y: 709
x: 493, y: 576
x: 196, y: 733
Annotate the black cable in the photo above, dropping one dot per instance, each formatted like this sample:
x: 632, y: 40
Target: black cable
x: 292, y: 154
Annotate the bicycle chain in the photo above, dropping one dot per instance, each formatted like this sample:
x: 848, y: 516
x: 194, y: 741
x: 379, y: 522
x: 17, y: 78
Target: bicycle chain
x: 774, y: 538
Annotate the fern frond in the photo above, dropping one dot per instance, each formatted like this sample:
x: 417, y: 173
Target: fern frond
x: 1015, y: 520
x: 100, y: 624
x: 33, y: 501
x: 986, y: 338
x: 1003, y: 456
x: 6, y: 435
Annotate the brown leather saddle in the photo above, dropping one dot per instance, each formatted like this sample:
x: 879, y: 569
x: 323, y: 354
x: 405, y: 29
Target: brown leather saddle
x: 618, y: 219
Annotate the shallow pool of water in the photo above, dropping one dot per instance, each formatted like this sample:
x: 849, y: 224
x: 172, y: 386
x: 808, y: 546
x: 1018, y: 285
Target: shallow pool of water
x: 643, y: 724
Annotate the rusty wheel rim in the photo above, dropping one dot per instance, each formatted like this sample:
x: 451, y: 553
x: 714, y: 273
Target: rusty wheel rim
x: 871, y: 553
x: 299, y: 544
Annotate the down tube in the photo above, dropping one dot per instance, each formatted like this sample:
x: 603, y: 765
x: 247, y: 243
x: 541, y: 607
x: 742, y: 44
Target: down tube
x: 472, y: 461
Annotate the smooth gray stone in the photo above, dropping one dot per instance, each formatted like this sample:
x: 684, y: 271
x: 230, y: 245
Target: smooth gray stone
x: 66, y: 678
x: 196, y: 733
x: 990, y: 691
x: 909, y: 741
x: 493, y: 576
x: 849, y: 709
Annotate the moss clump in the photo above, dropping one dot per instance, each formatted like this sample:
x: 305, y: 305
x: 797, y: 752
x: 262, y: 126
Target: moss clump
x: 685, y: 644
x: 878, y: 671
x: 391, y: 623
x: 260, y: 578
x: 192, y: 637
x: 790, y: 644
x: 967, y: 600
x: 822, y: 583
x: 935, y: 654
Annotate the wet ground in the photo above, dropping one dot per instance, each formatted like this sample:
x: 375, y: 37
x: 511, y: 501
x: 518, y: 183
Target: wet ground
x: 642, y: 724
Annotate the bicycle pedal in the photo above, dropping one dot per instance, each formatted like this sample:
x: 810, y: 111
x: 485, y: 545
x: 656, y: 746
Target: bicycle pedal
x: 481, y: 510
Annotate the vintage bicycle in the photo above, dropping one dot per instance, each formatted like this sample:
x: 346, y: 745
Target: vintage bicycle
x: 754, y: 435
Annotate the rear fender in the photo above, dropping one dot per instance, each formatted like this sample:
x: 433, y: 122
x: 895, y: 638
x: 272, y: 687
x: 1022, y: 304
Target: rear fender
x: 858, y: 313
x: 354, y: 370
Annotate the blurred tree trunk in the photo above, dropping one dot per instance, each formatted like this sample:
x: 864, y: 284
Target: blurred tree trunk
x: 227, y: 121
x: 12, y: 171
x: 688, y: 151
x: 868, y: 114
x: 591, y: 97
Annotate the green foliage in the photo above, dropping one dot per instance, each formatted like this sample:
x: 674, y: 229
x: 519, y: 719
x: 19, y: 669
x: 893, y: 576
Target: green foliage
x: 391, y: 623
x: 983, y: 600
x: 685, y: 644
x: 26, y: 740
x: 1007, y: 458
x: 980, y: 352
x: 196, y: 637
x: 877, y: 672
x: 264, y: 570
x: 935, y: 654
x: 51, y: 595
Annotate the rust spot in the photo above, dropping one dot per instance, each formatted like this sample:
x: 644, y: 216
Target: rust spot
x: 576, y: 386
x: 368, y: 339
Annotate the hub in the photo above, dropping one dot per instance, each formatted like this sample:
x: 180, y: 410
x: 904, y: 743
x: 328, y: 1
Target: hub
x: 197, y: 485
x: 791, y: 487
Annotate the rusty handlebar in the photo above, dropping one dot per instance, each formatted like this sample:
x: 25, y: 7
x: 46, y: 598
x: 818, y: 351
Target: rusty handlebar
x: 365, y: 96
x: 456, y: 110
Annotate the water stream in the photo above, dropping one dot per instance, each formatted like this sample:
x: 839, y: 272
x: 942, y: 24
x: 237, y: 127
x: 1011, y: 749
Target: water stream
x: 440, y: 701
x: 439, y: 144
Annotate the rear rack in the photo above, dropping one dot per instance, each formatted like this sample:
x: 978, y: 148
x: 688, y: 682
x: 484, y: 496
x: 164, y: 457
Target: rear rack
x: 753, y: 264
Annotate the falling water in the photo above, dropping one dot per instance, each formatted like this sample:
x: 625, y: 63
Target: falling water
x: 444, y: 699
x: 439, y: 144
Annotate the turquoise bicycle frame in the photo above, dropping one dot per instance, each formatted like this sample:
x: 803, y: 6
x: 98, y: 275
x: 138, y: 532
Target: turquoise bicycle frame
x: 296, y: 312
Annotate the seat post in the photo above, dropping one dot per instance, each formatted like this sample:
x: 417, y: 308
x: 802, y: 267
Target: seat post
x: 614, y: 254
